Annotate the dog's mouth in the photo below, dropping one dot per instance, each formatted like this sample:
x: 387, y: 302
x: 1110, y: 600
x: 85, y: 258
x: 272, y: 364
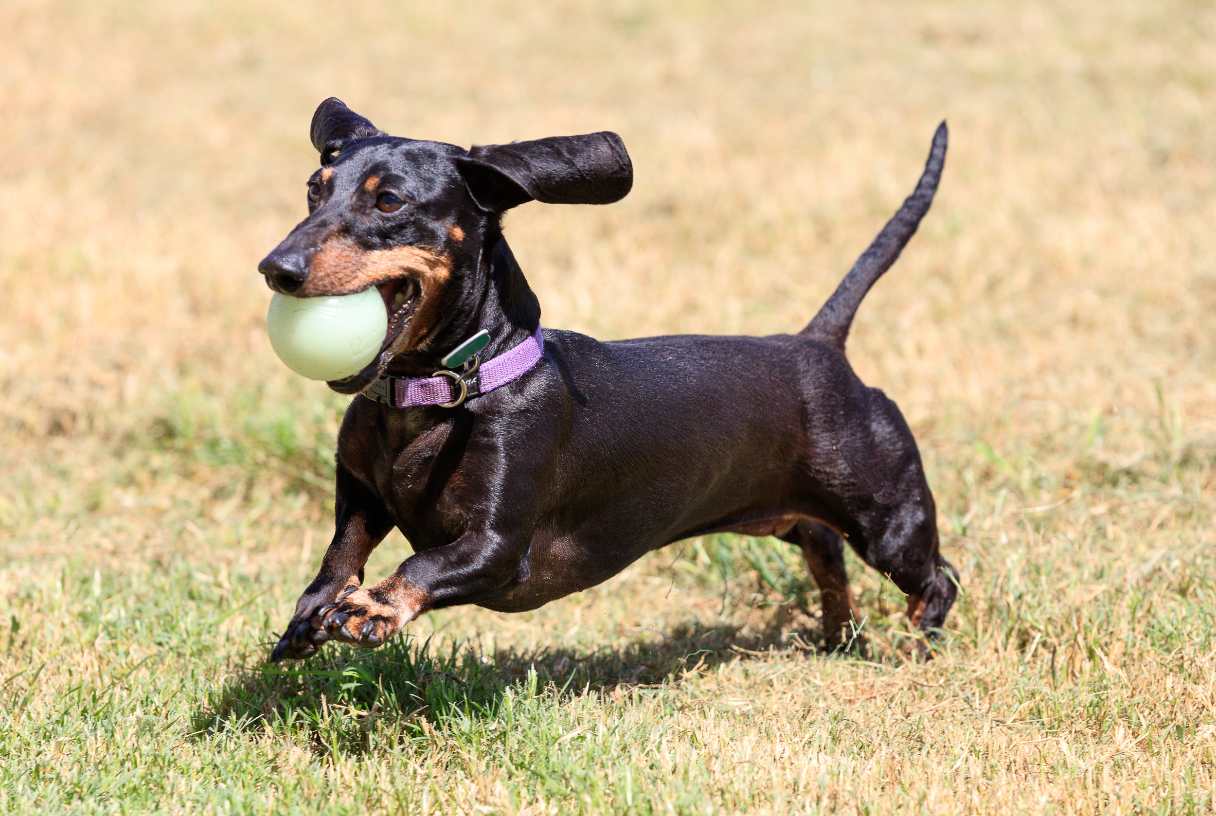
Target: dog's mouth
x: 401, y: 297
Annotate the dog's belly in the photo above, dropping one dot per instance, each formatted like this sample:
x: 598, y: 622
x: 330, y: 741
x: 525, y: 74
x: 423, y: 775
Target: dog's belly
x: 764, y: 525
x: 561, y: 564
x: 557, y: 565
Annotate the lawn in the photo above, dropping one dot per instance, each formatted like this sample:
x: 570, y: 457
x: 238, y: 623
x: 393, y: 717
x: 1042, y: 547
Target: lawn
x: 167, y: 483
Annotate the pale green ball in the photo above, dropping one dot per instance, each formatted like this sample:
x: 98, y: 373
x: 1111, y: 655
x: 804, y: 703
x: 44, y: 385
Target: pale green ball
x: 327, y: 338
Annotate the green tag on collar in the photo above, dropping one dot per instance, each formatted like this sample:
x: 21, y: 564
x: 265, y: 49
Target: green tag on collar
x: 461, y: 354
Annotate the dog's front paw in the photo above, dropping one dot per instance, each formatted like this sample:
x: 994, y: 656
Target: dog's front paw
x: 369, y: 617
x: 306, y: 632
x: 302, y: 639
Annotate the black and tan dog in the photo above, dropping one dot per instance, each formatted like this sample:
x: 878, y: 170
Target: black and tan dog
x: 598, y: 453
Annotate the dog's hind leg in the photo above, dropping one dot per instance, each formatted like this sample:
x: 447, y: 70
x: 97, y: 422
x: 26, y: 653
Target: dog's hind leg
x: 823, y: 549
x: 901, y: 542
x: 885, y: 508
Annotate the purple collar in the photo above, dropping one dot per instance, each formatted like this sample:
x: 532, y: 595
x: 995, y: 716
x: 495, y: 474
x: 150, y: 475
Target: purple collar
x: 450, y: 389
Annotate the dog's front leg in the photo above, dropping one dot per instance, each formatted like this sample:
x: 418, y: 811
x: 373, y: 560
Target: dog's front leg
x: 470, y: 568
x: 361, y: 523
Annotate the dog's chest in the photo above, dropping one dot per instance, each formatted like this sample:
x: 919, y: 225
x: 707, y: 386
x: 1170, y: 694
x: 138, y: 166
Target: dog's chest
x: 413, y: 467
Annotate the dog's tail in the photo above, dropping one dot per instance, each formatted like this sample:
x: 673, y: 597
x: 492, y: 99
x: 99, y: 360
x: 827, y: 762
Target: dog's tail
x: 832, y: 321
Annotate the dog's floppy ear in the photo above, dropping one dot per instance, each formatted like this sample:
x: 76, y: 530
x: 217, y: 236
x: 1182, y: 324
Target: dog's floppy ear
x: 590, y: 169
x: 334, y: 124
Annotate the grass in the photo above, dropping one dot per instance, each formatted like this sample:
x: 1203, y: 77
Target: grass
x: 166, y: 483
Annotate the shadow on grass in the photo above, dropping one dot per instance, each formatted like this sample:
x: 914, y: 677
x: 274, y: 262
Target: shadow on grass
x: 335, y: 696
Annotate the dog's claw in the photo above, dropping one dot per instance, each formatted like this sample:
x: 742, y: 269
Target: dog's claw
x: 292, y: 646
x: 347, y: 592
x: 337, y: 621
x: 368, y: 633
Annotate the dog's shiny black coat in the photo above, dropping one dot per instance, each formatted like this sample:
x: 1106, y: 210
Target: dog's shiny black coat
x: 604, y: 451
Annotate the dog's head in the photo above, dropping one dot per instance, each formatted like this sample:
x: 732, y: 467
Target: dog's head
x: 412, y: 218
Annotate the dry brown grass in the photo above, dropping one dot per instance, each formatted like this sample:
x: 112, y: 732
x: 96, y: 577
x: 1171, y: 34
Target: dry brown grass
x: 1048, y: 334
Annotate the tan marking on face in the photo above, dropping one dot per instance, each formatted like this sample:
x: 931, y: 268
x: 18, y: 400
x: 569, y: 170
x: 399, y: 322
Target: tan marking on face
x: 342, y: 267
x: 326, y: 174
x: 371, y: 184
x: 456, y: 233
x: 916, y: 609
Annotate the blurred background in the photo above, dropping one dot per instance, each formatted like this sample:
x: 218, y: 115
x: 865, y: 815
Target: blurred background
x: 1048, y: 333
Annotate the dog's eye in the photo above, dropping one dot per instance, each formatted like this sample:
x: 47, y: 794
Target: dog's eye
x: 388, y: 203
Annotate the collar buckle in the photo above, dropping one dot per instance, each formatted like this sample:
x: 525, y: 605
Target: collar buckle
x: 465, y: 382
x: 381, y: 390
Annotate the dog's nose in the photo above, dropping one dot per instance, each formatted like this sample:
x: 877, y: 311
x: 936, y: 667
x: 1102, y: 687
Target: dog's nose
x: 284, y: 271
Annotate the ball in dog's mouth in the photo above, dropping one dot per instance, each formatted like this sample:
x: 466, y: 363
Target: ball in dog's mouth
x: 340, y: 337
x: 400, y: 297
